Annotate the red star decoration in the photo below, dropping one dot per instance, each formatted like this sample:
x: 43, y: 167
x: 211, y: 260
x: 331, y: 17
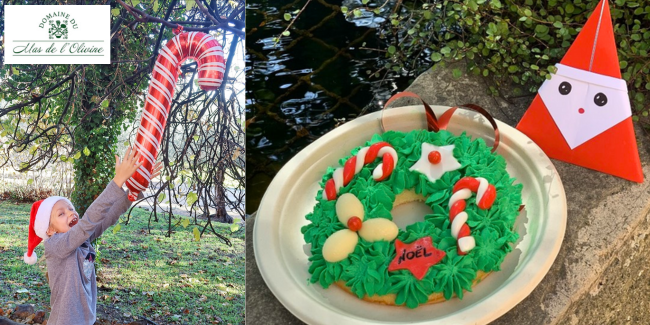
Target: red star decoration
x: 416, y: 257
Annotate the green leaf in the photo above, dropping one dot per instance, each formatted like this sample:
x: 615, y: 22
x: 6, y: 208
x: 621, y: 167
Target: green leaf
x: 457, y: 73
x: 287, y: 16
x: 105, y: 103
x: 161, y: 197
x: 436, y: 57
x: 185, y: 223
x: 191, y: 198
x: 365, y: 2
x: 445, y: 50
x: 77, y: 155
x: 196, y: 138
x: 14, y: 71
x: 86, y: 151
x: 392, y: 49
x: 116, y: 228
x: 357, y: 13
x: 115, y: 12
x: 30, y: 181
x: 541, y: 29
x: 190, y: 4
x: 344, y: 10
x: 286, y: 33
x: 155, y: 5
x: 569, y: 8
x: 135, y: 3
x: 234, y: 227
x: 197, y: 234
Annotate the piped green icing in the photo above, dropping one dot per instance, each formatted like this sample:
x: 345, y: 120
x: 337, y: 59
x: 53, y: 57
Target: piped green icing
x: 365, y: 271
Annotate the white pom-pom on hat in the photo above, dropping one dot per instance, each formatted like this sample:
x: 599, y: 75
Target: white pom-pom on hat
x: 30, y: 259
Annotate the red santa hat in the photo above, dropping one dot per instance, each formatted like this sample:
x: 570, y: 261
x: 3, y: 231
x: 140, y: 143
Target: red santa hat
x: 39, y: 222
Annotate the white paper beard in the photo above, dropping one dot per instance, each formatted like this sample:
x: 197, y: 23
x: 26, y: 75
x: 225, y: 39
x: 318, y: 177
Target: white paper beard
x: 584, y: 104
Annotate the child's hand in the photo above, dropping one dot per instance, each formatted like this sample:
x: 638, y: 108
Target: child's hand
x: 125, y: 168
x: 156, y: 170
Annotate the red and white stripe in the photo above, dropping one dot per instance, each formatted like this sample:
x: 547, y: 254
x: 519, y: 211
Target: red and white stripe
x: 208, y: 54
x: 485, y: 196
x: 343, y: 175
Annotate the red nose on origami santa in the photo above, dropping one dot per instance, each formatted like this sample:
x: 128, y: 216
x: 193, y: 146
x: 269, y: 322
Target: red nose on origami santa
x: 582, y: 115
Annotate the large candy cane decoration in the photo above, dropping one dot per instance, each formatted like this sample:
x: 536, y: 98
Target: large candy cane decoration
x: 343, y: 175
x: 208, y: 54
x: 485, y: 196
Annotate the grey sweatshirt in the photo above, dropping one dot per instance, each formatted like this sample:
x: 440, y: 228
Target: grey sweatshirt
x: 70, y: 259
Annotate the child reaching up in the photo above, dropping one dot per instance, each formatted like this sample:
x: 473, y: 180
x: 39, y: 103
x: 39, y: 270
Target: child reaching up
x: 68, y: 253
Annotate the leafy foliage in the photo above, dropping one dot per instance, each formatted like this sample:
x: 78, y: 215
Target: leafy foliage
x: 513, y: 41
x: 75, y: 113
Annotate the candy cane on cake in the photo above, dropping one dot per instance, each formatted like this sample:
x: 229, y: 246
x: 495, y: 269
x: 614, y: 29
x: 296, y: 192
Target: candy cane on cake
x: 343, y: 175
x: 485, y: 196
x: 208, y: 54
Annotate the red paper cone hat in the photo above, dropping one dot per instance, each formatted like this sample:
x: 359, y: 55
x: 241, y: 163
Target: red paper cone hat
x: 582, y: 115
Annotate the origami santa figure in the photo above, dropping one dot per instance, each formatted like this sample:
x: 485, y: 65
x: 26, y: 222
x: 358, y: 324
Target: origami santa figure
x: 582, y: 115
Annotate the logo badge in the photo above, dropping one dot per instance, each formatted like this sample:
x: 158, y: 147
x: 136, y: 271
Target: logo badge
x: 57, y: 34
x: 58, y: 29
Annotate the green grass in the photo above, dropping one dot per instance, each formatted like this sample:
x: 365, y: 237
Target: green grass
x: 168, y: 280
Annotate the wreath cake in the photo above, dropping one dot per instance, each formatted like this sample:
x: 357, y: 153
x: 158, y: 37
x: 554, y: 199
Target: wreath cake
x: 356, y: 245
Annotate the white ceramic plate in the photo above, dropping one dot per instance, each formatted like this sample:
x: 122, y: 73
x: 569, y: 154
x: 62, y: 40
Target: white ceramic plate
x: 282, y: 257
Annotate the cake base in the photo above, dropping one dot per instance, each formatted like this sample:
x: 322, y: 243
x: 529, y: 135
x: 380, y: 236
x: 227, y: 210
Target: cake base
x: 408, y: 196
x: 389, y: 299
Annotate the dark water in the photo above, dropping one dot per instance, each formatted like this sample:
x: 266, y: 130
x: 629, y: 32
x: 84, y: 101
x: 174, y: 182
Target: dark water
x: 308, y: 83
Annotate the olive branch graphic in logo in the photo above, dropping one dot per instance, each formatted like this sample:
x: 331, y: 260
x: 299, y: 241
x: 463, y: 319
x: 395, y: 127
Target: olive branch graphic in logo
x: 58, y: 29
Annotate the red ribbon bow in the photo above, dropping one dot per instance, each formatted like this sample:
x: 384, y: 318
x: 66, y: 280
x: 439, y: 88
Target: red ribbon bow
x: 436, y: 124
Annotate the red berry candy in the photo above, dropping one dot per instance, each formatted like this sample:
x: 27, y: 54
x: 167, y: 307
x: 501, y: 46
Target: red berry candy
x: 354, y: 223
x: 434, y: 157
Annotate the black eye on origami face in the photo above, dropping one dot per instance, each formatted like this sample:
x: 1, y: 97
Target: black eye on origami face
x: 565, y: 88
x: 600, y: 99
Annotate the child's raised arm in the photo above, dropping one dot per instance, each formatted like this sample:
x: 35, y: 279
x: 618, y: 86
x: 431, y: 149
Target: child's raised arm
x: 123, y: 203
x: 103, y: 212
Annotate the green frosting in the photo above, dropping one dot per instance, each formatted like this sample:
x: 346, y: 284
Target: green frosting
x: 365, y: 271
